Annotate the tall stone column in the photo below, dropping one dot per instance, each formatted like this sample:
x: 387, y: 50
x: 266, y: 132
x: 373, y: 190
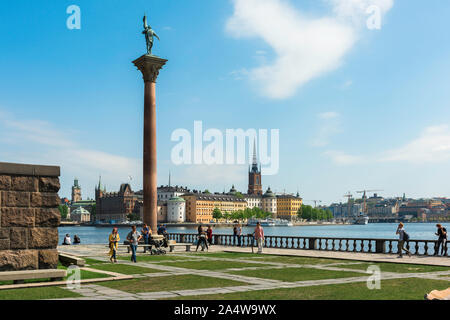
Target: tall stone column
x: 150, y: 65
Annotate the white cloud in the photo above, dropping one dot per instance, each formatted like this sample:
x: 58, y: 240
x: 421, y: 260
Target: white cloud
x: 356, y: 9
x: 306, y: 47
x: 433, y: 145
x: 328, y: 115
x: 40, y: 142
x: 342, y: 158
x: 329, y: 125
x: 210, y: 175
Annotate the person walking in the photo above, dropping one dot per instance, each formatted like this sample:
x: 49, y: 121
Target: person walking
x: 114, y: 239
x: 239, y: 234
x: 402, y: 238
x: 442, y: 240
x: 146, y: 233
x: 134, y: 237
x: 201, y: 239
x: 259, y: 236
x: 209, y: 235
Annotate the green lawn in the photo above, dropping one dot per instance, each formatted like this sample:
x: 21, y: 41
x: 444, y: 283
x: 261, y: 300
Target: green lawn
x: 154, y: 258
x: 300, y: 260
x: 397, y: 267
x: 37, y: 294
x: 83, y: 273
x: 91, y: 261
x: 227, y: 255
x: 398, y: 289
x: 297, y: 274
x: 210, y: 264
x: 123, y: 268
x: 170, y: 283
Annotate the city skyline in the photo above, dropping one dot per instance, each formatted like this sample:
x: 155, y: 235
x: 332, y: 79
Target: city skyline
x: 372, y: 113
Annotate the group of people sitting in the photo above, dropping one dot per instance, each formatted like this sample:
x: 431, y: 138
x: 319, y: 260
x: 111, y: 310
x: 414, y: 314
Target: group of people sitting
x: 67, y: 241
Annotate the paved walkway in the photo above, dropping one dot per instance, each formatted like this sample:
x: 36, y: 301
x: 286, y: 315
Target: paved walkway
x: 89, y: 250
x: 99, y: 292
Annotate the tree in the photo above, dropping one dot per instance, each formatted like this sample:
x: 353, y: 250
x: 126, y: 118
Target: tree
x: 206, y: 191
x: 239, y: 195
x: 133, y: 217
x: 63, y: 210
x: 217, y: 214
x: 94, y: 211
x: 307, y: 212
x: 329, y: 214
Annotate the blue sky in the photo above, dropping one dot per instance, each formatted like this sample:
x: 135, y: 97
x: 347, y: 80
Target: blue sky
x: 356, y: 108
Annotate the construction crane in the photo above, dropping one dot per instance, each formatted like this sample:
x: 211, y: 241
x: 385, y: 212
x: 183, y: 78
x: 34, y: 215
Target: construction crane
x: 315, y: 202
x: 349, y: 196
x: 364, y: 197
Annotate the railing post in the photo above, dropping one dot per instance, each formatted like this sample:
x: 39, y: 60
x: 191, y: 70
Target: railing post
x: 380, y: 246
x: 312, y: 244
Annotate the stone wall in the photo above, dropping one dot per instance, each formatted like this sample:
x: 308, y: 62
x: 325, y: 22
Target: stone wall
x: 29, y: 216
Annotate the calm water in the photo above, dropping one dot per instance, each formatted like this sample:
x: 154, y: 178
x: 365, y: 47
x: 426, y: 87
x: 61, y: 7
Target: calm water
x: 425, y: 231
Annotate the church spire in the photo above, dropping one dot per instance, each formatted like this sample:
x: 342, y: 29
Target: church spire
x: 169, y: 178
x: 255, y: 159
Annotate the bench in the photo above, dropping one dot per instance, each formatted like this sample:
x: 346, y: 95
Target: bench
x: 173, y: 245
x: 68, y: 260
x: 142, y: 243
x: 20, y: 276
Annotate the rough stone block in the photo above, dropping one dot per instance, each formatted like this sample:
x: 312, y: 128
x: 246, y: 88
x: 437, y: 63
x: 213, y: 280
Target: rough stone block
x: 43, y: 238
x: 11, y: 260
x: 47, y: 217
x: 48, y: 259
x: 17, y: 217
x: 15, y: 199
x: 45, y: 200
x: 5, y: 182
x: 49, y: 184
x: 21, y: 183
x: 18, y: 238
x: 4, y: 233
x: 4, y: 244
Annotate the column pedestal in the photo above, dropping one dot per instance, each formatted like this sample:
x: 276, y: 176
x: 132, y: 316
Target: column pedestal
x: 150, y: 65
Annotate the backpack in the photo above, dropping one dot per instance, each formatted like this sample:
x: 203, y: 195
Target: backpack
x: 405, y: 236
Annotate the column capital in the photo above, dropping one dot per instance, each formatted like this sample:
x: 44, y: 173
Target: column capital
x: 149, y: 65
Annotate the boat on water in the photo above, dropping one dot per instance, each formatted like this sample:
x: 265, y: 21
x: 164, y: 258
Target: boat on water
x: 270, y: 222
x: 362, y: 219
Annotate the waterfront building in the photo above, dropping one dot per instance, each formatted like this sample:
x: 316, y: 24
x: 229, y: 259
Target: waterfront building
x: 200, y: 206
x: 161, y: 211
x: 76, y: 191
x: 384, y: 208
x: 80, y: 215
x: 164, y: 193
x: 269, y: 203
x: 253, y: 201
x: 288, y: 206
x: 341, y: 210
x: 176, y: 210
x: 116, y: 206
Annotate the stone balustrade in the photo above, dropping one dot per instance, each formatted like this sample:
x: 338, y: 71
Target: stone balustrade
x: 365, y: 245
x: 29, y: 216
